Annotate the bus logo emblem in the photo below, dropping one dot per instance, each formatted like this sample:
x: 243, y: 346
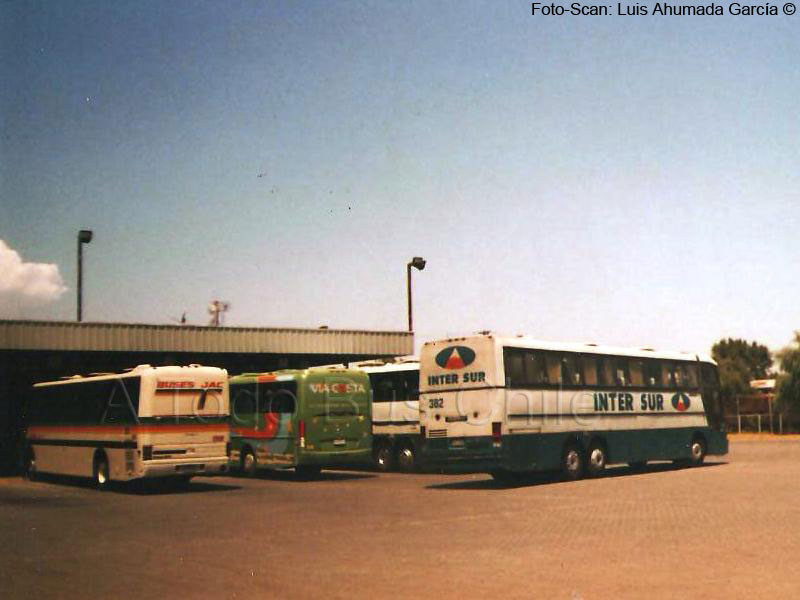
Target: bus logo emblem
x: 455, y: 357
x: 681, y: 402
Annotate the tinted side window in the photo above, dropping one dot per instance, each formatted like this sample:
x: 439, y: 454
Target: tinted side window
x: 636, y: 371
x: 243, y: 401
x: 570, y: 374
x: 692, y: 376
x: 121, y: 405
x: 512, y: 361
x: 278, y: 397
x: 384, y: 387
x: 621, y: 375
x: 553, y: 364
x: 525, y: 367
x: 652, y: 373
x: 412, y: 384
x: 588, y: 364
x: 606, y: 373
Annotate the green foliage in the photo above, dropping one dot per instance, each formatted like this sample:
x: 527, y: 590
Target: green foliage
x: 739, y: 362
x: 788, y: 386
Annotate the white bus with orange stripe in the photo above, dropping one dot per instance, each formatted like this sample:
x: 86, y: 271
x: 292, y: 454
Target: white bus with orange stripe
x: 168, y: 422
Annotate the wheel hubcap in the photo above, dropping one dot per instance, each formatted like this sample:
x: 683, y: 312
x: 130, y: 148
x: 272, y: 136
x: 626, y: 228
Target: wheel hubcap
x: 697, y: 450
x: 598, y: 459
x: 406, y: 458
x: 249, y: 462
x: 573, y: 461
x: 101, y: 474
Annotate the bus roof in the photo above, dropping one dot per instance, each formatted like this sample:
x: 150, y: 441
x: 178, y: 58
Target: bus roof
x: 379, y: 365
x: 291, y: 374
x: 523, y: 341
x: 137, y: 371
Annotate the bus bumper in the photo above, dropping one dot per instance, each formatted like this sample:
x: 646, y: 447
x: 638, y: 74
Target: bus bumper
x: 212, y: 465
x: 462, y: 455
x: 340, y: 458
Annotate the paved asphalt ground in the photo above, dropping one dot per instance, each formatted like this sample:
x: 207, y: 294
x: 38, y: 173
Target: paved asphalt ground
x: 730, y: 529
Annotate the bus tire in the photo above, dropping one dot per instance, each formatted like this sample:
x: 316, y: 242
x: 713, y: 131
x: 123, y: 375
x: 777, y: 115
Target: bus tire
x: 697, y: 451
x: 248, y: 464
x: 382, y: 456
x: 573, y: 462
x: 406, y: 458
x: 306, y: 472
x: 596, y: 459
x: 100, y: 471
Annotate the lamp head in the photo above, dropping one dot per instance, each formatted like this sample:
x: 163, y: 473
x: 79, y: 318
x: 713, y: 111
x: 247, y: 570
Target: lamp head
x: 417, y: 262
x: 85, y: 236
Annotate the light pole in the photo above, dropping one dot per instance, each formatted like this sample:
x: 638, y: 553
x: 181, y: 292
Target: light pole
x: 418, y: 263
x: 84, y: 237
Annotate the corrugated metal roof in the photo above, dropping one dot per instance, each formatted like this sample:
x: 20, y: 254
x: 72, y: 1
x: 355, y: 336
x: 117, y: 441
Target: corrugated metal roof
x: 135, y: 337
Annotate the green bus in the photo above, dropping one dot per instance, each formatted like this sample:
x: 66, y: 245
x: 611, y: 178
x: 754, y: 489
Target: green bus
x: 302, y: 419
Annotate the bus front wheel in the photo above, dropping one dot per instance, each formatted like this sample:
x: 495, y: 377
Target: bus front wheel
x: 101, y: 475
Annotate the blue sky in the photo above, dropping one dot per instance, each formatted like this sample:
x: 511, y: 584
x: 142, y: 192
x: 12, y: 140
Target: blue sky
x: 629, y: 180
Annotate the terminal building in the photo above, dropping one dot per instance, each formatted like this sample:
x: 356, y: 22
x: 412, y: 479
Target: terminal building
x: 32, y: 351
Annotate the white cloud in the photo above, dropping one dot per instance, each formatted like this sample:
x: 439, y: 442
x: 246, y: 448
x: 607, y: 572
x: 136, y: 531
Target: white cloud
x: 30, y: 283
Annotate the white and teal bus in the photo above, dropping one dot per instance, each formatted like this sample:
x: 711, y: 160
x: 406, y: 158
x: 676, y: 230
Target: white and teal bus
x: 395, y: 411
x: 513, y: 405
x: 165, y: 422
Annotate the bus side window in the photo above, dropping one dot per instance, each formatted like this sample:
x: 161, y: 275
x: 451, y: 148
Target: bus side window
x: 692, y: 376
x: 515, y: 371
x: 535, y: 368
x: 281, y: 401
x: 570, y: 374
x: 412, y: 384
x: 679, y: 375
x: 606, y: 374
x: 652, y: 373
x: 621, y: 377
x: 117, y: 403
x: 667, y: 376
x: 243, y: 404
x: 553, y: 362
x: 589, y: 368
x: 636, y: 370
x: 383, y: 388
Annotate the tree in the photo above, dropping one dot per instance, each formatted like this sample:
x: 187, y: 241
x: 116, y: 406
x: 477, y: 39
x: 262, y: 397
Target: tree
x: 739, y: 362
x: 788, y: 386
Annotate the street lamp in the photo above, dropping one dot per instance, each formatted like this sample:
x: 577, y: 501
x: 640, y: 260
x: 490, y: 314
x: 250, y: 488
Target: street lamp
x: 418, y: 263
x: 84, y: 237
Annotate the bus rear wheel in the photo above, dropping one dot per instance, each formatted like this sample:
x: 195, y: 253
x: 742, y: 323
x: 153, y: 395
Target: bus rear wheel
x: 697, y: 452
x: 406, y: 458
x: 382, y: 457
x: 572, y: 462
x: 102, y: 479
x: 248, y: 463
x: 596, y: 463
